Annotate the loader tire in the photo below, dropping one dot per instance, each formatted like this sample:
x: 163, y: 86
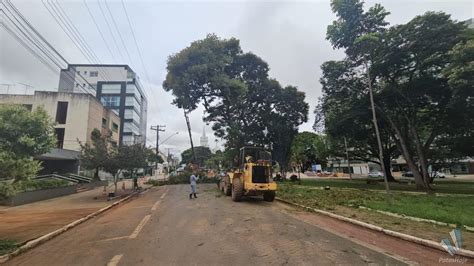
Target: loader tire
x: 237, y: 189
x: 269, y: 196
x: 227, y: 187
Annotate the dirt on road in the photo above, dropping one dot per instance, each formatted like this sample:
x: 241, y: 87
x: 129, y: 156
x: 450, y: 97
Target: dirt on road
x: 164, y: 227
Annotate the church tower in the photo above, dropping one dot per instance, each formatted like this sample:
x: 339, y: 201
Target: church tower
x: 204, y: 139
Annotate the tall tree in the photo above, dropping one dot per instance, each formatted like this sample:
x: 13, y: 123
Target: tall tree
x: 23, y: 135
x: 202, y: 154
x: 239, y: 98
x: 95, y: 155
x: 307, y: 149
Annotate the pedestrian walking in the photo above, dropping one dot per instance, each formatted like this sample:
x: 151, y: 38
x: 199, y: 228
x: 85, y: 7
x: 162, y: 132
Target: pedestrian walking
x: 192, y: 179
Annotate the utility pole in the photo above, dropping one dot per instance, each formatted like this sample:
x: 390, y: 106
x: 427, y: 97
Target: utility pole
x: 190, y: 136
x: 157, y: 128
x: 377, y: 133
x: 348, y: 162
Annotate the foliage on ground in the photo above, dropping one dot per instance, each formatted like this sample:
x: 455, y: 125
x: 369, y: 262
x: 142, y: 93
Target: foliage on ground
x: 455, y: 209
x: 182, y: 178
x: 7, y: 245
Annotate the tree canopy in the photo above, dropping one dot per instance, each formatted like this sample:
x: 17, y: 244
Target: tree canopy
x: 239, y: 98
x: 422, y: 85
x: 23, y: 135
x: 202, y: 154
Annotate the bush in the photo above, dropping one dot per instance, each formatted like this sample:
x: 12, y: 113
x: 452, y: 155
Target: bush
x: 8, y: 190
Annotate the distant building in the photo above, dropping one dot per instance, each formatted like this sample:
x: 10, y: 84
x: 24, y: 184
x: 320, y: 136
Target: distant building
x: 204, y: 141
x: 118, y: 88
x: 76, y: 115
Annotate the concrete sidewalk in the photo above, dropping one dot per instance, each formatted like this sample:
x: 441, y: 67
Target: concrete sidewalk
x: 29, y: 221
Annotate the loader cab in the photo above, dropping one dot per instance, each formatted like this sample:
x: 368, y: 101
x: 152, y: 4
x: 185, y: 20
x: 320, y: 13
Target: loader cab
x: 255, y: 155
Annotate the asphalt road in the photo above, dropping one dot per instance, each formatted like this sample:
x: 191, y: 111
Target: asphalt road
x: 164, y: 227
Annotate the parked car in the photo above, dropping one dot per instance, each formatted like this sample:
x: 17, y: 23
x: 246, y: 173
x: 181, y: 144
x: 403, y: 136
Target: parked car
x: 437, y: 174
x: 408, y: 174
x: 375, y: 173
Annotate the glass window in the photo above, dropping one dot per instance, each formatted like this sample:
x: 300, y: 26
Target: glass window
x: 111, y: 88
x: 130, y: 75
x: 114, y: 127
x: 130, y: 127
x: 110, y: 100
x: 131, y: 88
x: 127, y: 139
x: 132, y: 101
x: 94, y: 73
x: 104, y: 123
x: 131, y: 114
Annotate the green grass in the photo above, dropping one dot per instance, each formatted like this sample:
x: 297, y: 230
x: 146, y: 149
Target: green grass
x: 439, y: 186
x: 450, y: 208
x: 7, y: 246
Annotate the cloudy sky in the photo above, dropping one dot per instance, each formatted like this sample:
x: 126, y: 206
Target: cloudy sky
x: 289, y: 35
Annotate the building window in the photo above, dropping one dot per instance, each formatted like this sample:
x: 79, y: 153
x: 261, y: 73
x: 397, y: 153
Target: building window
x: 61, y: 113
x: 114, y: 127
x: 131, y: 88
x: 94, y: 74
x: 104, y: 123
x: 127, y: 139
x: 130, y: 75
x: 85, y: 72
x: 130, y: 127
x: 77, y: 85
x: 110, y: 100
x: 111, y: 88
x: 132, y: 101
x: 59, y: 137
x: 131, y: 114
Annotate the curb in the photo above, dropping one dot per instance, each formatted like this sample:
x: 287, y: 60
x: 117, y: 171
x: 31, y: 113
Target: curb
x: 414, y: 239
x: 37, y: 241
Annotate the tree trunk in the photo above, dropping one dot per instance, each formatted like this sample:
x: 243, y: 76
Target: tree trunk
x: 421, y: 156
x: 401, y: 144
x: 96, y: 175
x: 388, y: 169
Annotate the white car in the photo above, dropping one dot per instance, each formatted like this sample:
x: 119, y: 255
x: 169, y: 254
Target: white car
x: 375, y: 174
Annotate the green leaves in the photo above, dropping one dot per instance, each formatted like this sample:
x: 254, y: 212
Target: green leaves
x: 239, y: 98
x: 23, y: 134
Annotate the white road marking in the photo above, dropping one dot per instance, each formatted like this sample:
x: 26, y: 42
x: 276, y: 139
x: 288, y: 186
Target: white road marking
x: 140, y: 227
x: 115, y: 260
x: 113, y: 238
x: 164, y: 195
x: 155, y: 206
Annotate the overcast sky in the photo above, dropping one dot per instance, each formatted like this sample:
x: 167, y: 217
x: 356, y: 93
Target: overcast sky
x: 289, y: 35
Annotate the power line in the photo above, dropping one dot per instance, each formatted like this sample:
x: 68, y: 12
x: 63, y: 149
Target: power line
x: 80, y: 37
x: 118, y: 31
x: 98, y: 28
x: 110, y: 30
x: 30, y: 32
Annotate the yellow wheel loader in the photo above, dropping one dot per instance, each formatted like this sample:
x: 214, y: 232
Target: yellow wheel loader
x: 253, y: 177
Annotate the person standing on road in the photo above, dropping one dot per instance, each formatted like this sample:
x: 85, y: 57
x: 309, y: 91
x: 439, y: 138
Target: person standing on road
x: 192, y: 179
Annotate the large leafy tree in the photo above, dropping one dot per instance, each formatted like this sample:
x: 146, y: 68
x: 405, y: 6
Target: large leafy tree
x: 95, y: 155
x: 202, y: 154
x: 23, y: 135
x: 344, y: 112
x: 309, y: 148
x: 239, y: 98
x: 413, y: 70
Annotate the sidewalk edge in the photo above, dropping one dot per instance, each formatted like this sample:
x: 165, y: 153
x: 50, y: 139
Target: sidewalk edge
x: 37, y: 241
x: 406, y: 237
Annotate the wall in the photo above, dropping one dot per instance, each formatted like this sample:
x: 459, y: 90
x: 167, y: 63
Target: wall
x: 33, y: 196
